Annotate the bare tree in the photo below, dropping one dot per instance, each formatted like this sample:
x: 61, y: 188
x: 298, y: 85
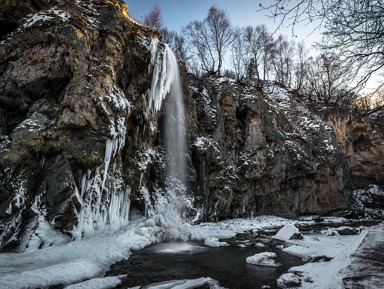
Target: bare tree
x: 326, y: 81
x: 177, y: 43
x: 300, y: 67
x: 238, y: 51
x: 154, y: 18
x: 210, y: 39
x: 283, y: 61
x: 353, y: 28
x: 260, y: 45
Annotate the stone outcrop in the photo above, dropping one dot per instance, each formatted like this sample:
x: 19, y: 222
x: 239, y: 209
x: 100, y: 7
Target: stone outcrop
x: 361, y: 137
x: 262, y: 152
x: 75, y: 121
x: 81, y: 131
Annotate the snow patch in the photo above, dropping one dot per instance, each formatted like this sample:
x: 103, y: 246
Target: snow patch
x: 98, y: 283
x: 185, y: 284
x: 285, y: 233
x: 263, y: 259
x: 214, y: 242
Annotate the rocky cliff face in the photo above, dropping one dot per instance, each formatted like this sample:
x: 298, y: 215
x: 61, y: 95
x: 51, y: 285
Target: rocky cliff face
x: 82, y: 93
x: 361, y: 138
x: 262, y: 152
x: 77, y: 127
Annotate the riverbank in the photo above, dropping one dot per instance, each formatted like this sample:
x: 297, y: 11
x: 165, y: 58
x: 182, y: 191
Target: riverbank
x: 88, y: 260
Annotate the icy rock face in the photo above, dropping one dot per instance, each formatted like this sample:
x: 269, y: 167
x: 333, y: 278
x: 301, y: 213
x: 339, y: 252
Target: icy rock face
x: 261, y: 152
x: 79, y: 137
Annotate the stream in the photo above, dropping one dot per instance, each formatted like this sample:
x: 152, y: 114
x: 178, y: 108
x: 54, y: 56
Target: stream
x: 190, y: 260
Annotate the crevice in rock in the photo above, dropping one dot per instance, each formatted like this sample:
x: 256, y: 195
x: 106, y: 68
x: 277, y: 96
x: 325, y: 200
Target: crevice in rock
x: 7, y: 27
x: 10, y: 118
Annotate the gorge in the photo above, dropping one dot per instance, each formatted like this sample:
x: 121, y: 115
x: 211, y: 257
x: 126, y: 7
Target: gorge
x: 99, y: 128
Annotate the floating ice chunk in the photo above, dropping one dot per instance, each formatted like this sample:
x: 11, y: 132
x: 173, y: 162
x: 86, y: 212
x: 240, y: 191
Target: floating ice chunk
x: 263, y: 259
x: 214, y: 242
x: 287, y: 232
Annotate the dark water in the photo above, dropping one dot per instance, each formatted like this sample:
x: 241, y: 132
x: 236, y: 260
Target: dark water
x: 225, y: 264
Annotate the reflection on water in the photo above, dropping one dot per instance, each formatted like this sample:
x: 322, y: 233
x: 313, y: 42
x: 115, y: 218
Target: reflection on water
x: 172, y: 261
x: 177, y: 247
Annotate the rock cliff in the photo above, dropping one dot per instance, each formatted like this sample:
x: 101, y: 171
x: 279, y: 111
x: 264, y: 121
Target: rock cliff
x: 263, y: 152
x: 361, y: 137
x: 77, y: 127
x: 82, y: 92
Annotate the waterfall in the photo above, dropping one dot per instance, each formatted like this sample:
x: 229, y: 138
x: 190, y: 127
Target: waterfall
x: 175, y: 124
x: 166, y: 85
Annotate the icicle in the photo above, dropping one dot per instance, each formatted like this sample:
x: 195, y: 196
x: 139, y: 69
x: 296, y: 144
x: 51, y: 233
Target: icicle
x: 107, y: 159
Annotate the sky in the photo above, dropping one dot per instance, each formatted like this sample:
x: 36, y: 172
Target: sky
x: 178, y: 13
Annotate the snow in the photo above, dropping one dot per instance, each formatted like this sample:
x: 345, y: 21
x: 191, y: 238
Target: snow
x: 286, y: 232
x: 88, y: 259
x: 75, y: 261
x: 185, y: 284
x: 97, y: 283
x: 288, y: 278
x: 46, y: 16
x: 39, y: 17
x: 323, y: 275
x: 263, y: 259
x: 214, y: 242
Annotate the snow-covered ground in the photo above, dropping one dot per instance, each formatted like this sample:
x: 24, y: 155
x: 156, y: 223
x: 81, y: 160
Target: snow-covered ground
x: 324, y: 274
x: 83, y: 263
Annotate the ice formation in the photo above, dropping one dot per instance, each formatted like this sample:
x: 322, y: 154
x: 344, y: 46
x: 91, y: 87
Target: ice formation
x: 103, y: 195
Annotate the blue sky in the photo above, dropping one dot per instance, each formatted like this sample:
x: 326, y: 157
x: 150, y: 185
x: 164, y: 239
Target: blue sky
x: 178, y: 13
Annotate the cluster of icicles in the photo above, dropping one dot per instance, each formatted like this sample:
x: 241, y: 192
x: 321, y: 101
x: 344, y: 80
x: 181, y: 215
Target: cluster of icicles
x: 103, y: 195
